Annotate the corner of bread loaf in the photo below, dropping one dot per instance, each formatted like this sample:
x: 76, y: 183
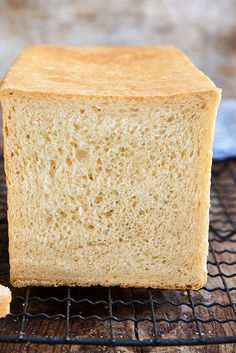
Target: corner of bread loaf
x: 200, y: 283
x: 216, y: 94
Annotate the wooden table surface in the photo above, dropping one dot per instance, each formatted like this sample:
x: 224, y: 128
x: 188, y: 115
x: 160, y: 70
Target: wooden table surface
x: 33, y: 348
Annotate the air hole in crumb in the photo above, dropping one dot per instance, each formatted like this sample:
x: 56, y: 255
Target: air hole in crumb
x: 162, y: 131
x: 6, y: 130
x: 108, y: 213
x: 155, y: 197
x: 171, y: 118
x: 134, y: 110
x: 12, y: 154
x: 73, y: 144
x: 62, y: 214
x: 98, y: 199
x: 186, y: 111
x: 81, y: 111
x: 141, y: 212
x: 90, y: 226
x: 163, y: 163
x: 97, y: 108
x: 53, y: 164
x: 45, y: 136
x: 134, y: 204
x: 81, y: 154
x: 68, y: 161
x: 28, y: 136
x: 49, y: 219
x: 76, y: 126
x: 90, y: 176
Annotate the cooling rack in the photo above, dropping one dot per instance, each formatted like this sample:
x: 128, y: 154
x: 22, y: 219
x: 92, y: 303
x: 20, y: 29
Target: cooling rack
x: 136, y: 317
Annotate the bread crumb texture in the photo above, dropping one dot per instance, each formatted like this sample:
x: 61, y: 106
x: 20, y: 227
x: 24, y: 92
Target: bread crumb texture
x: 5, y: 299
x: 110, y: 192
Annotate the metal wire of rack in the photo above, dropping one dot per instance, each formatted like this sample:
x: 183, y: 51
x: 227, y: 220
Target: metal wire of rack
x: 137, y: 317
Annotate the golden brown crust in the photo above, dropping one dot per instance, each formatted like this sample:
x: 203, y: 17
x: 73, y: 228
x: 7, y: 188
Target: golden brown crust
x: 139, y: 72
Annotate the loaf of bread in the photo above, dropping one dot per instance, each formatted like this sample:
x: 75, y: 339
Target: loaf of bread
x: 5, y: 299
x: 107, y: 155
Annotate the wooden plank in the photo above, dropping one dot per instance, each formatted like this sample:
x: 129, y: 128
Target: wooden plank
x: 35, y: 348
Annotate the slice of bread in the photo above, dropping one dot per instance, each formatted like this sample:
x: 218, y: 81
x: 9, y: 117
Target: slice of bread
x: 107, y: 156
x: 5, y: 299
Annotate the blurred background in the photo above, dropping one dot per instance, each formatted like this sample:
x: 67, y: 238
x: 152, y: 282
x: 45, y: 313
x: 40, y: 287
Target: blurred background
x: 204, y: 29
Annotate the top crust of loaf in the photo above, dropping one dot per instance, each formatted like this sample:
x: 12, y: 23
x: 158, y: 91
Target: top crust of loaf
x: 139, y: 72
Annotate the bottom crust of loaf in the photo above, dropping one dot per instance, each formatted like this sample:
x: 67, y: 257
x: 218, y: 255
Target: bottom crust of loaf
x: 83, y: 283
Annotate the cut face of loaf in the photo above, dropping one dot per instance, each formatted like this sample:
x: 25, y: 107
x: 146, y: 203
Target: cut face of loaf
x: 109, y: 190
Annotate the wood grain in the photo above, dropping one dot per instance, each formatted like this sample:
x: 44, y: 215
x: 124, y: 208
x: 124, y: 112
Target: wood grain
x: 34, y: 348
